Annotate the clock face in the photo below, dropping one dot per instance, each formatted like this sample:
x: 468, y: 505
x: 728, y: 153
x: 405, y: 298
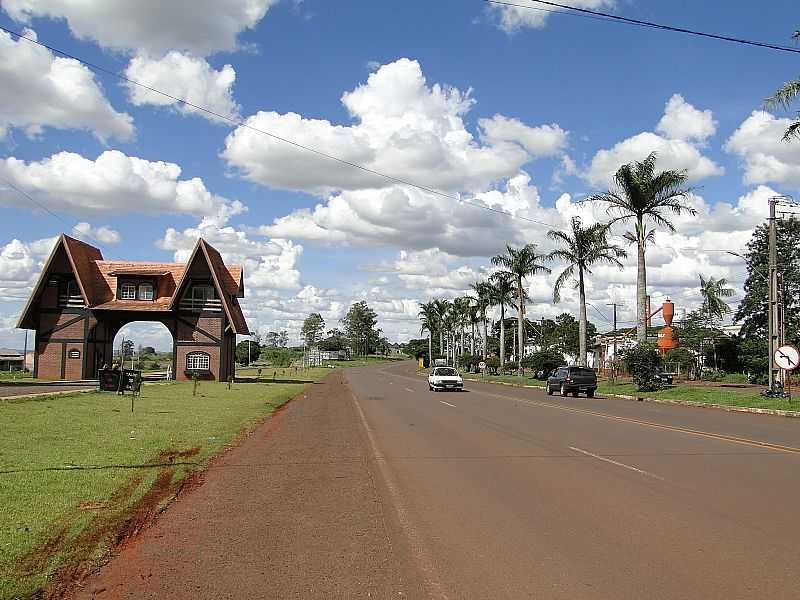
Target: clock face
x: 787, y: 358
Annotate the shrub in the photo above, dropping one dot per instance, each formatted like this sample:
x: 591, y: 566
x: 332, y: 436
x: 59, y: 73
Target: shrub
x: 278, y: 357
x: 712, y: 375
x: 492, y: 364
x: 543, y: 361
x: 643, y: 361
x: 465, y: 361
x: 509, y: 367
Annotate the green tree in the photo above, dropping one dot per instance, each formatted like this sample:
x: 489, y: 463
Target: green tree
x: 483, y: 297
x: 543, y: 362
x: 752, y: 310
x: 783, y: 99
x: 128, y: 347
x: 502, y: 294
x: 682, y: 357
x: 643, y: 362
x: 312, y: 329
x: 148, y: 350
x: 520, y: 263
x: 441, y: 308
x: 359, y: 327
x: 246, y: 351
x: 565, y: 334
x: 714, y: 308
x: 644, y: 196
x: 581, y: 249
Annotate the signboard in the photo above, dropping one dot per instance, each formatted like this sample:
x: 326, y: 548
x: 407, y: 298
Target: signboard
x: 787, y: 358
x: 74, y: 354
x: 482, y: 366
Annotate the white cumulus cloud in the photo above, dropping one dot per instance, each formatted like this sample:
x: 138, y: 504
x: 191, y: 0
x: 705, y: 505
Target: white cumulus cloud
x: 682, y: 121
x: 403, y: 127
x: 102, y: 234
x: 512, y: 18
x: 187, y: 77
x: 112, y: 183
x: 201, y: 27
x: 38, y: 90
x: 767, y: 158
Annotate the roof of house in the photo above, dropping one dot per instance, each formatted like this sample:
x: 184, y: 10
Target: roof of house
x: 97, y: 280
x: 7, y: 353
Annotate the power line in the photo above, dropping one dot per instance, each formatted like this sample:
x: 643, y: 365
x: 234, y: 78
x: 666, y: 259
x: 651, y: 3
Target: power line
x: 242, y: 123
x: 47, y: 210
x: 575, y: 11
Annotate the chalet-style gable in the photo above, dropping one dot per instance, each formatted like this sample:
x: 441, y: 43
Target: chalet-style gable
x: 70, y: 260
x: 206, y: 267
x: 81, y: 301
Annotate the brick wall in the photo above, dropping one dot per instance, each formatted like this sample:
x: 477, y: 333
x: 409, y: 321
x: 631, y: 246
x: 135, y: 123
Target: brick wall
x: 73, y: 367
x: 182, y: 351
x: 187, y: 333
x: 49, y: 360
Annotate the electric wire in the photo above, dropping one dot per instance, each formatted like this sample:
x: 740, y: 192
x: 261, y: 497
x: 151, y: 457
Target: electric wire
x: 576, y: 11
x: 243, y: 123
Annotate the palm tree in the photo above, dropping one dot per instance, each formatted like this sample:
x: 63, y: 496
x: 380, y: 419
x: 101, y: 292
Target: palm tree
x: 427, y: 315
x: 483, y: 293
x: 640, y: 194
x: 440, y: 309
x: 519, y: 263
x: 461, y: 314
x: 581, y: 249
x: 714, y: 307
x: 502, y: 294
x: 783, y: 98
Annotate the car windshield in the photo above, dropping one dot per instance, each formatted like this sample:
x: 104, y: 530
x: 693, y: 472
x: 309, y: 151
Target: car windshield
x: 447, y: 372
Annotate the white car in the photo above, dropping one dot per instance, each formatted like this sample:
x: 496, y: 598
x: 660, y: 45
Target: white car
x: 445, y: 378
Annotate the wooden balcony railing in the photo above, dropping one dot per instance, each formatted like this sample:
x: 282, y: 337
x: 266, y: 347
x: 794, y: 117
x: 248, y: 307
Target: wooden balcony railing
x: 65, y: 301
x: 198, y: 305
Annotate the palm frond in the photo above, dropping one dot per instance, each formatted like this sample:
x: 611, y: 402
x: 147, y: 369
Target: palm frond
x: 783, y: 96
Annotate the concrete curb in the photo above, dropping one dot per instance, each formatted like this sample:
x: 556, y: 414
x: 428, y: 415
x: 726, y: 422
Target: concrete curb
x: 742, y: 409
x: 43, y: 394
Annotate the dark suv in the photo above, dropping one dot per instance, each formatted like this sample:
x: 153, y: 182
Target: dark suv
x: 572, y: 380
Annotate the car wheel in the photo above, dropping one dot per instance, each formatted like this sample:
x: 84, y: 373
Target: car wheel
x: 563, y: 390
x: 590, y: 394
x: 574, y: 394
x: 549, y: 391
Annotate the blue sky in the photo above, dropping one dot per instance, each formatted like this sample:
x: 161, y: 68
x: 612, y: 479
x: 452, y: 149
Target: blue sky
x: 570, y: 88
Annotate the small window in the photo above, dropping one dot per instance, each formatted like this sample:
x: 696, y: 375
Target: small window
x: 198, y: 361
x: 72, y: 288
x: 203, y: 292
x: 127, y: 291
x: 145, y: 291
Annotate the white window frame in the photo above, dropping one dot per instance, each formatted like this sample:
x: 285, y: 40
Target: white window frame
x: 127, y: 291
x: 148, y: 287
x: 207, y: 290
x: 198, y: 361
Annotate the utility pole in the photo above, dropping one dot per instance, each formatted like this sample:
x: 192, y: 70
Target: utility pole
x: 775, y: 313
x: 614, y: 353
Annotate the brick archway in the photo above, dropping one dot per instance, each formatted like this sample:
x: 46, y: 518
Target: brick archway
x: 81, y: 301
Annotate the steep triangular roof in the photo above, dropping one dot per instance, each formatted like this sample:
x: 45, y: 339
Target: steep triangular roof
x: 224, y: 283
x: 80, y: 256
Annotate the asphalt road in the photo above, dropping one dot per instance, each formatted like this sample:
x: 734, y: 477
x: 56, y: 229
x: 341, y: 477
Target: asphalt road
x: 510, y: 493
x: 371, y: 486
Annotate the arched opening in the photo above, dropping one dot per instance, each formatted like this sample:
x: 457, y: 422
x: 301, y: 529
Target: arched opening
x: 147, y: 346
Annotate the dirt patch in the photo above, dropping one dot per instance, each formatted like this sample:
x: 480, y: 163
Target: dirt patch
x: 116, y: 522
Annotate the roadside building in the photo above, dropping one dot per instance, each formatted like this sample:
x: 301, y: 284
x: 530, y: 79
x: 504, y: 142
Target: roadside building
x: 11, y: 360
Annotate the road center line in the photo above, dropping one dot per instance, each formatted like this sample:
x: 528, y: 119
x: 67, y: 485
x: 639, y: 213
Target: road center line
x: 614, y: 462
x: 448, y: 404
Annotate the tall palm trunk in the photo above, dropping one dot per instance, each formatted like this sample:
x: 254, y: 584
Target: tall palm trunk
x: 472, y: 338
x: 502, y: 335
x: 582, y: 321
x: 484, y: 334
x: 641, y: 286
x: 520, y: 318
x: 430, y: 349
x: 441, y: 341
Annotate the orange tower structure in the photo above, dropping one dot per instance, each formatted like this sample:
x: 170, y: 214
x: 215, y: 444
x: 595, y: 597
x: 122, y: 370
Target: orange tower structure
x: 667, y: 340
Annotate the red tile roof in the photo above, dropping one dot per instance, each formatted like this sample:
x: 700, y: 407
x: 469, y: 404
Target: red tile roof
x: 97, y: 279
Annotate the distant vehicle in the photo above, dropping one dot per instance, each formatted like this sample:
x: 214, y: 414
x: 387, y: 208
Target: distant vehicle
x: 572, y: 380
x: 665, y: 378
x: 445, y: 378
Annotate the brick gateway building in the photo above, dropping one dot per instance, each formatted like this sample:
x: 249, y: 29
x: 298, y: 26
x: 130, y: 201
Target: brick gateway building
x: 81, y: 301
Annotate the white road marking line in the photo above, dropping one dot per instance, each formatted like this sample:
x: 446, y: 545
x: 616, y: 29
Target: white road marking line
x: 409, y: 390
x: 614, y: 462
x: 448, y: 404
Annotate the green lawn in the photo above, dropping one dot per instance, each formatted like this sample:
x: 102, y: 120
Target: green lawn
x: 72, y: 468
x: 746, y: 397
x: 14, y: 375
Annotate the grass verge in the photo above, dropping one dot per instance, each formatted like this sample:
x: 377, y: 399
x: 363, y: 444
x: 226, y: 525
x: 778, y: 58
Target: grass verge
x: 746, y: 398
x: 79, y: 473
